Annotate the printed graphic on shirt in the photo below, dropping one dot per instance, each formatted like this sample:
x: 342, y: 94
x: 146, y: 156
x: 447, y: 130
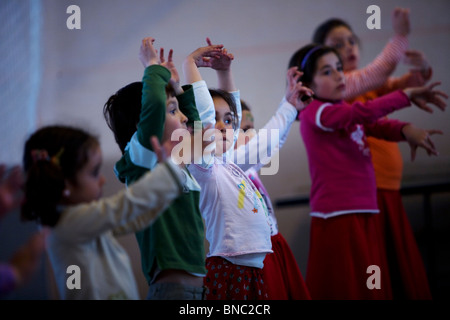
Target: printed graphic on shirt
x: 241, y: 196
x: 359, y: 138
x: 247, y: 189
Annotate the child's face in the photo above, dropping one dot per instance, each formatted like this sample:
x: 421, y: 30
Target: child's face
x: 246, y: 124
x: 175, y: 119
x: 224, y: 122
x: 328, y: 80
x: 346, y: 44
x: 89, y: 179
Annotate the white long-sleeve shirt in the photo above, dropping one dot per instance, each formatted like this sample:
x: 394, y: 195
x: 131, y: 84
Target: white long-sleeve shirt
x: 235, y: 214
x: 85, y: 236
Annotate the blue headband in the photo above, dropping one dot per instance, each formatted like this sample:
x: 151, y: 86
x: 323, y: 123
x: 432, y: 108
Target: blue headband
x: 310, y: 52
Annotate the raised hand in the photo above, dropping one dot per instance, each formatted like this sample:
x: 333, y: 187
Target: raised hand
x: 417, y: 60
x: 202, y: 56
x: 174, y: 78
x: 148, y: 54
x: 162, y: 151
x: 296, y: 94
x: 199, y: 58
x: 221, y: 61
x: 420, y: 96
x: 400, y: 21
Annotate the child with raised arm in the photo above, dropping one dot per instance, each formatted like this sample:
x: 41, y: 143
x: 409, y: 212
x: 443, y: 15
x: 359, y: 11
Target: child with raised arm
x: 339, y: 35
x: 235, y: 214
x: 345, y: 239
x: 281, y: 272
x: 409, y: 278
x: 63, y: 191
x: 172, y: 249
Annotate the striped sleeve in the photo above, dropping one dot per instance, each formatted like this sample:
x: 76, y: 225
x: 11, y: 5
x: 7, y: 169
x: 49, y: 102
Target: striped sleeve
x: 376, y: 73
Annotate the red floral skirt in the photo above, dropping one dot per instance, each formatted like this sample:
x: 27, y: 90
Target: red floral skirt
x: 227, y: 281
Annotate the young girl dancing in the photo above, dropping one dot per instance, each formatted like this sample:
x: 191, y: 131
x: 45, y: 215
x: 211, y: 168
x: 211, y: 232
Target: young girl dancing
x: 408, y: 274
x: 63, y: 191
x: 236, y: 216
x: 345, y: 240
x: 281, y: 272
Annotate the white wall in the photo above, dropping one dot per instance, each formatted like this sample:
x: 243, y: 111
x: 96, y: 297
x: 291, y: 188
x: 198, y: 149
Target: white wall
x: 82, y: 68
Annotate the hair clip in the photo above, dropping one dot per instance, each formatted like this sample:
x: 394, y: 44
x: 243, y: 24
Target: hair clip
x: 56, y: 158
x: 39, y: 155
x: 42, y: 155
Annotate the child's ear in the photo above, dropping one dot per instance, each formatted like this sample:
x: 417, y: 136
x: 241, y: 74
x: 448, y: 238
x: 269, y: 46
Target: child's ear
x: 68, y: 190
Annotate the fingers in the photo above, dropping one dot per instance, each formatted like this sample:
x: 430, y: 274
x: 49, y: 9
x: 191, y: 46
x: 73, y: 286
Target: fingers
x: 434, y: 131
x: 439, y: 102
x: 437, y: 96
x: 428, y: 144
x: 305, y: 90
x: 148, y: 41
x: 440, y: 93
x: 290, y: 77
x: 413, y: 152
x: 422, y: 105
x: 161, y: 55
x: 432, y: 85
x: 293, y: 77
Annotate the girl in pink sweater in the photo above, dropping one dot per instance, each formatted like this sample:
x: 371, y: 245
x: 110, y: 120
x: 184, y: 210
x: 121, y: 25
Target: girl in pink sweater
x: 345, y: 245
x: 408, y: 273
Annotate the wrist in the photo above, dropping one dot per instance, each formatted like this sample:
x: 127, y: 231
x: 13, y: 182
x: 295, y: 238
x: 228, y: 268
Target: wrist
x: 404, y: 131
x: 178, y: 89
x: 426, y: 73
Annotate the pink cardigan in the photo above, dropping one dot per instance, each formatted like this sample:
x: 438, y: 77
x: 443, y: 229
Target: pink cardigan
x: 340, y: 164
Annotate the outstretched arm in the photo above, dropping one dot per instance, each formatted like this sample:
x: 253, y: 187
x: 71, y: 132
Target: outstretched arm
x: 375, y: 75
x: 269, y: 140
x: 222, y: 64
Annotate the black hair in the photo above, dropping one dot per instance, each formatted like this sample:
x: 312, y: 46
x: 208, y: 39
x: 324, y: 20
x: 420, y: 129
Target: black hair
x: 67, y: 149
x: 228, y: 97
x: 307, y: 57
x: 322, y: 31
x: 123, y: 109
x: 245, y: 106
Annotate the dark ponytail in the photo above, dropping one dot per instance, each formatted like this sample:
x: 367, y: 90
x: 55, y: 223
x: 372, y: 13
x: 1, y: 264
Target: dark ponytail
x: 52, y: 155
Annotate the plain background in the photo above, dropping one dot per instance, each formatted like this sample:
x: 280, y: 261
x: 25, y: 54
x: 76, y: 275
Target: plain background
x: 50, y: 74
